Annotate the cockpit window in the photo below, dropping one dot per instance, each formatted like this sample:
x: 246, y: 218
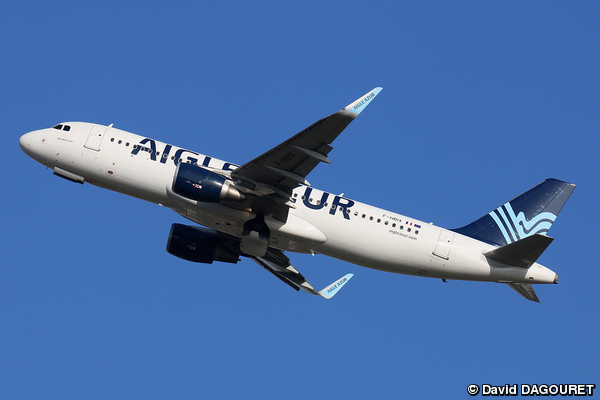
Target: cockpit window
x: 61, y: 127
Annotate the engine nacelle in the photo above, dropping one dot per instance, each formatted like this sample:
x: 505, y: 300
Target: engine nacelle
x: 201, y: 245
x: 197, y: 183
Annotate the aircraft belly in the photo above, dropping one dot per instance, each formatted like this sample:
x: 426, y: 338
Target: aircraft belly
x: 296, y: 235
x: 214, y: 215
x: 127, y: 179
x: 374, y: 248
x: 393, y: 253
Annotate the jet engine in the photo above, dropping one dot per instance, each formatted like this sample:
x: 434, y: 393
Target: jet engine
x: 201, y: 245
x: 197, y: 183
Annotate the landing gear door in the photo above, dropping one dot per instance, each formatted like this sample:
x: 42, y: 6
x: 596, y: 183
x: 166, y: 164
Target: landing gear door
x: 95, y: 137
x: 444, y: 244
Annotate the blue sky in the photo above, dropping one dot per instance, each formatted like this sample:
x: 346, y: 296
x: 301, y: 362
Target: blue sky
x: 481, y: 101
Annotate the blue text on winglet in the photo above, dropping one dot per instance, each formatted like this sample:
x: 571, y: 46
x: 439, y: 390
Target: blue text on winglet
x: 335, y: 287
x: 359, y: 105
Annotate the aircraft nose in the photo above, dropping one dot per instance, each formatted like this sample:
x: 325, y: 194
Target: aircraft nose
x: 25, y: 142
x: 555, y: 278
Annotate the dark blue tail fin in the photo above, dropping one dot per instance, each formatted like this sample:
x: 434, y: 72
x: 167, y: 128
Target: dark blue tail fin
x: 532, y: 212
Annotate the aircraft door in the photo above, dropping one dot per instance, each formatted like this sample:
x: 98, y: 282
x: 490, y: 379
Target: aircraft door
x: 95, y: 137
x: 444, y: 244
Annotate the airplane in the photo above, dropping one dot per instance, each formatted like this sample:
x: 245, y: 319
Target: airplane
x: 266, y: 207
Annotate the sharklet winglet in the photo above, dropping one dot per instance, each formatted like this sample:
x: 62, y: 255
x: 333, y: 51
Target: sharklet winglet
x: 360, y: 104
x: 335, y: 287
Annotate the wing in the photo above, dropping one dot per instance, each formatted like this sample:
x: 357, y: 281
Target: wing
x: 277, y: 263
x: 270, y: 178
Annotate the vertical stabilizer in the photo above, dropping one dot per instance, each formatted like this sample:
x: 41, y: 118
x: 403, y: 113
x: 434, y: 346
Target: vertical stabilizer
x: 531, y: 213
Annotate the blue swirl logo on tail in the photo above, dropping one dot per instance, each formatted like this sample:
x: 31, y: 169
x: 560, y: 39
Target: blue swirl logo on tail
x: 516, y: 226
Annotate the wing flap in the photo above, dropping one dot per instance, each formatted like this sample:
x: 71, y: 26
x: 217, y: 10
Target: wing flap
x: 314, y: 154
x: 277, y: 263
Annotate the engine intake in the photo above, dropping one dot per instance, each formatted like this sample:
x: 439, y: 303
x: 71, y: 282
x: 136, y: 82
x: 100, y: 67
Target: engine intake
x: 201, y: 245
x: 197, y: 183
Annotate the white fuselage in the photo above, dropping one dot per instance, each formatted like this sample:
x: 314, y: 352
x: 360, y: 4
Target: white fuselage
x: 318, y: 222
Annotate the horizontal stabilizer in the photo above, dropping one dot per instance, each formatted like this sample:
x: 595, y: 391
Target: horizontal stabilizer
x: 525, y: 290
x: 522, y: 253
